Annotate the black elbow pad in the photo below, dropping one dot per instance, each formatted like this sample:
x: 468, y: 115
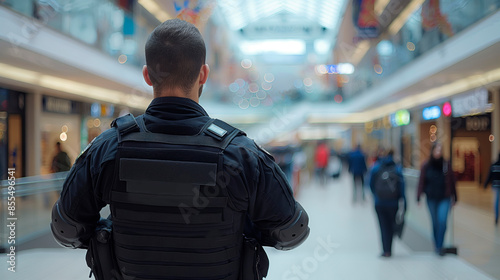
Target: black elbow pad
x: 293, y: 233
x: 65, y: 231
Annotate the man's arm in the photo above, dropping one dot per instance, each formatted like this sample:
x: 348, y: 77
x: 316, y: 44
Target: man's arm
x: 76, y: 213
x: 282, y: 221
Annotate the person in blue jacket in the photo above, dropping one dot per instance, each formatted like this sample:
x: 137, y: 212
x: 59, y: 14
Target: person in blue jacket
x: 357, y: 167
x: 388, y: 188
x: 494, y: 179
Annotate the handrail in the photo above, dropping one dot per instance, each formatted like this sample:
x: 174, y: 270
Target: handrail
x: 30, y: 190
x: 35, y: 184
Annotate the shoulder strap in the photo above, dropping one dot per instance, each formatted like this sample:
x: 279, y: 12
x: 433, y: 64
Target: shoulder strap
x: 215, y: 133
x: 221, y: 131
x: 125, y: 125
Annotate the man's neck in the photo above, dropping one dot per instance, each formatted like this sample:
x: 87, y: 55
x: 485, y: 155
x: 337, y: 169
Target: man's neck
x: 177, y: 93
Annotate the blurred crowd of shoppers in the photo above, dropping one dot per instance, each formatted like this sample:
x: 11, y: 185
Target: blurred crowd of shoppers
x: 383, y: 174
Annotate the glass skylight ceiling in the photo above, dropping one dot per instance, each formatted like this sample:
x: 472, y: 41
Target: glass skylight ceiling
x: 241, y: 13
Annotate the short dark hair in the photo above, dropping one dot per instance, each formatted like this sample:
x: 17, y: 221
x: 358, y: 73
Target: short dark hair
x: 175, y: 52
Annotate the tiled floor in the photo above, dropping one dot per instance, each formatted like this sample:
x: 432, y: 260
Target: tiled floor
x: 351, y: 231
x: 343, y: 244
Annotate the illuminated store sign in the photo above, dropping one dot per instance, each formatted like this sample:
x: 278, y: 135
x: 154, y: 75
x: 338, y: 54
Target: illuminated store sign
x: 101, y: 110
x: 401, y: 117
x: 447, y: 109
x: 58, y: 105
x: 431, y: 113
x: 473, y: 102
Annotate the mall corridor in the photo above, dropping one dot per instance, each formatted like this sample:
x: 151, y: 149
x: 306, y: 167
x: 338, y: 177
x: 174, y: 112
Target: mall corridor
x: 316, y: 83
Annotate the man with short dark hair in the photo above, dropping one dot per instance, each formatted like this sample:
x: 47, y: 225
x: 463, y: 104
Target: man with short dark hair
x: 191, y: 197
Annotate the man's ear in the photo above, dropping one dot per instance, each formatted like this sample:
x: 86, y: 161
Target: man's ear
x: 204, y: 74
x: 145, y: 74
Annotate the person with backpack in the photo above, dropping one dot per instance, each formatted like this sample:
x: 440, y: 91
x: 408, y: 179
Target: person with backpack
x: 437, y: 181
x: 494, y: 178
x: 388, y: 188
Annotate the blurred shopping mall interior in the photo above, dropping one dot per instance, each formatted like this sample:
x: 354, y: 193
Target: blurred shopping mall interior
x: 391, y: 74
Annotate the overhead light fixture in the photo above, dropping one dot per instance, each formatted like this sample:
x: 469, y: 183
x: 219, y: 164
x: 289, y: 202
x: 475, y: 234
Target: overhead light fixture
x: 402, y: 18
x: 19, y: 74
x: 284, y: 46
x: 76, y: 88
x: 152, y: 7
x: 321, y: 46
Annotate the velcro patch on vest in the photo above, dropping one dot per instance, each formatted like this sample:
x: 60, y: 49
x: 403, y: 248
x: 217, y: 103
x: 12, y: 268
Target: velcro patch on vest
x: 217, y: 130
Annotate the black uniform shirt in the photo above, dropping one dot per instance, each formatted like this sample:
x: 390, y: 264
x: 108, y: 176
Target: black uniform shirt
x: 257, y: 185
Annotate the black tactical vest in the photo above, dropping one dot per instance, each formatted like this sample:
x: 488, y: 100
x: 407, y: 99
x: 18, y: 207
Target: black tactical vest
x: 170, y: 207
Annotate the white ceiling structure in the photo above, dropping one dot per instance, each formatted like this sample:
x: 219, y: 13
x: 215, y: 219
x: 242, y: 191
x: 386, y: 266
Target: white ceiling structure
x: 241, y: 13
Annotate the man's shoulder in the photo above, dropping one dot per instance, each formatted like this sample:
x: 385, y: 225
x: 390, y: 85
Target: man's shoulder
x: 245, y: 144
x: 101, y: 144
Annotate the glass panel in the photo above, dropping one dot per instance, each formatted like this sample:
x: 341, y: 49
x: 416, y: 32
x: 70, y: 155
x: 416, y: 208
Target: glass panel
x: 34, y: 198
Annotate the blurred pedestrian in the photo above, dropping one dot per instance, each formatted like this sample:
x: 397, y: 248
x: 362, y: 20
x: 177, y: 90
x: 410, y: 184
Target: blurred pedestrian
x: 357, y: 167
x: 61, y: 161
x: 437, y: 181
x: 299, y: 163
x: 334, y: 167
x: 388, y: 188
x: 321, y: 157
x: 494, y: 178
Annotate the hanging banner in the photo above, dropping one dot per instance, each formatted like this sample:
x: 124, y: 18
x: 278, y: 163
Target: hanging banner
x: 365, y: 19
x: 196, y: 12
x: 432, y: 18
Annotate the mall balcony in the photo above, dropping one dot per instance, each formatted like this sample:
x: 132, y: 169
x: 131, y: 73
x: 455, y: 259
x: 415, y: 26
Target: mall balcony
x: 396, y: 75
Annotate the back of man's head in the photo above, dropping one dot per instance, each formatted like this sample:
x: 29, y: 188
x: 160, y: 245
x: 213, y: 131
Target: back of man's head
x: 175, y: 52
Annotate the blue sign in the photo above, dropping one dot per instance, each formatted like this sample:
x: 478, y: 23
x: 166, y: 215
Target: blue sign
x: 431, y: 113
x: 332, y: 69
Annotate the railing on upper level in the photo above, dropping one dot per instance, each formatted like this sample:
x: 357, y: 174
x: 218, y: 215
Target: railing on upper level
x: 427, y: 27
x: 25, y: 207
x: 102, y: 24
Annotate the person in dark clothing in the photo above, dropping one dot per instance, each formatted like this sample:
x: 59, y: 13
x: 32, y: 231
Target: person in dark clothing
x: 387, y: 198
x: 61, y: 161
x: 181, y: 186
x: 357, y: 167
x: 437, y: 181
x: 494, y: 178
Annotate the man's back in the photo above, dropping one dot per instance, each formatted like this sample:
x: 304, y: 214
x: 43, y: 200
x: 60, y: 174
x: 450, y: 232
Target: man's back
x: 170, y: 219
x: 249, y: 178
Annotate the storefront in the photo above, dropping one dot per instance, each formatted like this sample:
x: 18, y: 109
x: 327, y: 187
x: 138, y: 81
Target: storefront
x: 60, y: 122
x: 97, y: 118
x: 471, y: 146
x: 471, y: 141
x: 12, y: 123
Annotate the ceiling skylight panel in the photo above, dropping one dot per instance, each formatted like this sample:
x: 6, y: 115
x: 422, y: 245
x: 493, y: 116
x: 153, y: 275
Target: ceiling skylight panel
x: 330, y: 13
x: 233, y: 14
x: 270, y: 8
x: 311, y: 10
x: 253, y: 11
x: 296, y: 7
